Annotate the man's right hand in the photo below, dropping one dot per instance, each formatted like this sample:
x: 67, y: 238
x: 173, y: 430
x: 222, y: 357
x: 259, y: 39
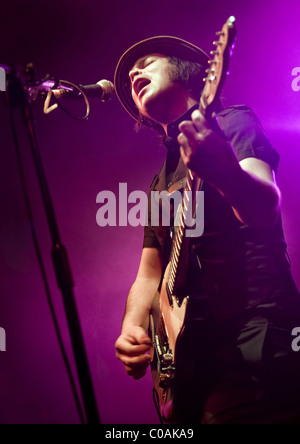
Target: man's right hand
x: 133, y: 347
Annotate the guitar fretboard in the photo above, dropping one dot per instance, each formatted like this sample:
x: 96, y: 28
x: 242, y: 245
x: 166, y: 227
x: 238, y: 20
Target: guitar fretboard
x: 179, y: 234
x: 216, y: 74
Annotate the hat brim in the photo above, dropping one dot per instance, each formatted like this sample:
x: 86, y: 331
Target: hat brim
x: 167, y: 45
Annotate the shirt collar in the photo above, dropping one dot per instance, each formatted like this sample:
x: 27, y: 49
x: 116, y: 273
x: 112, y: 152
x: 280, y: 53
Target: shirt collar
x: 170, y: 141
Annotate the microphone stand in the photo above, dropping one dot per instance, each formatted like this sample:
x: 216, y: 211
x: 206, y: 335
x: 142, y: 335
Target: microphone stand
x: 59, y: 255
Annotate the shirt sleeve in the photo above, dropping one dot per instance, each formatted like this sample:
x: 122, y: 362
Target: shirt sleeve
x: 245, y: 132
x: 154, y: 235
x: 150, y: 238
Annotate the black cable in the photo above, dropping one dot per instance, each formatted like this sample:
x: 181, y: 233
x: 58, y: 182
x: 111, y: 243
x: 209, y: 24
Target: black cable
x: 64, y: 109
x: 156, y: 404
x: 40, y: 260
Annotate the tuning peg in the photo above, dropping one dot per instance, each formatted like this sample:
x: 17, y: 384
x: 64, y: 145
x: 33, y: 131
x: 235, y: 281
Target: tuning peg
x: 211, y: 62
x: 220, y: 33
x: 210, y: 79
x: 214, y: 52
x: 231, y: 20
x: 217, y: 42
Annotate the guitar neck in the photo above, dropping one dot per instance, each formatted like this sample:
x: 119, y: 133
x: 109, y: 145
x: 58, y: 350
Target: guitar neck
x: 216, y: 74
x: 188, y: 209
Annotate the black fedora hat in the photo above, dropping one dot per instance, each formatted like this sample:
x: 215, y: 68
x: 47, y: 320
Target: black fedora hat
x: 167, y: 45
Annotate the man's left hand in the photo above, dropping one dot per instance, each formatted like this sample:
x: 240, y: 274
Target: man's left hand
x: 205, y: 152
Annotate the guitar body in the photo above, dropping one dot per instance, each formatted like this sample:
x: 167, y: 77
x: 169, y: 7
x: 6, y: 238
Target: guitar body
x: 175, y: 330
x: 173, y: 315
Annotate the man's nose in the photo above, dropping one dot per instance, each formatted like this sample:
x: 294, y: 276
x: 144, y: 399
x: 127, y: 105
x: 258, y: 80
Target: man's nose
x: 133, y: 73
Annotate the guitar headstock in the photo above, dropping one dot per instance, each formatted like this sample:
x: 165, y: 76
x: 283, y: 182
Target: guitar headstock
x: 218, y: 66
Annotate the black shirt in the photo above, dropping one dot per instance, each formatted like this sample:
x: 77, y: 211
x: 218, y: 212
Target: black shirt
x: 241, y: 267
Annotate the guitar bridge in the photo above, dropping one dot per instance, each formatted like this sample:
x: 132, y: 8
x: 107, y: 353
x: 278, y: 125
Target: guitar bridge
x: 166, y: 367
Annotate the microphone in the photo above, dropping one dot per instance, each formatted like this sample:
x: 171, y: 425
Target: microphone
x: 103, y: 90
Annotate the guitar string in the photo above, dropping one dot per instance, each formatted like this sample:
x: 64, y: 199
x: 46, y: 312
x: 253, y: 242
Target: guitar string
x: 179, y: 234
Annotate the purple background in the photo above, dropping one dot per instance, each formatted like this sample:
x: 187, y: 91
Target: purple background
x: 81, y: 41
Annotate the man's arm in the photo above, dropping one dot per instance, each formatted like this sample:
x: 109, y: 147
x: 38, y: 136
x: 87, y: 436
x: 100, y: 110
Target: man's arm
x: 249, y: 186
x: 133, y: 345
x: 256, y: 198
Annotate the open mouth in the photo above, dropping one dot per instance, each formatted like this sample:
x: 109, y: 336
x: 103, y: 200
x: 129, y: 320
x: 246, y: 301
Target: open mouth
x: 140, y: 84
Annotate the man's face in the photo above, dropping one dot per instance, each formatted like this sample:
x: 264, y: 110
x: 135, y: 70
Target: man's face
x: 153, y: 90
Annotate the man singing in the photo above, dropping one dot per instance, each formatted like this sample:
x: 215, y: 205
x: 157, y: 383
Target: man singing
x: 245, y: 371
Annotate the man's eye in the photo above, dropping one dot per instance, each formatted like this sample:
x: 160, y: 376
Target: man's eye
x: 149, y: 62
